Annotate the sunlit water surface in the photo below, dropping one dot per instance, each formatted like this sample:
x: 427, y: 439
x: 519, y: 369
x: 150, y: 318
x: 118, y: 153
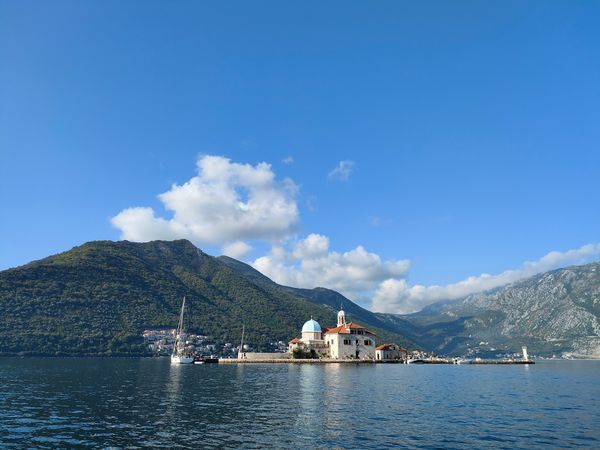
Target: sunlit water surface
x: 147, y: 402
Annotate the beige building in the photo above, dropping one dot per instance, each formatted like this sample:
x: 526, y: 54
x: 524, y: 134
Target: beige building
x: 390, y: 352
x: 347, y: 340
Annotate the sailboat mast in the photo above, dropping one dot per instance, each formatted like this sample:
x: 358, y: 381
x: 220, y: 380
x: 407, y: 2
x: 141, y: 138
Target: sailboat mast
x: 241, y: 350
x: 180, y: 326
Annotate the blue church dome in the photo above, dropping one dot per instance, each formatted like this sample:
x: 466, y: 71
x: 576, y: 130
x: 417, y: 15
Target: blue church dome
x: 312, y: 326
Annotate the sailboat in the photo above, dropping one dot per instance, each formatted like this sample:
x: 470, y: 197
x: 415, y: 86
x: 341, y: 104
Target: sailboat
x: 241, y: 353
x: 180, y: 356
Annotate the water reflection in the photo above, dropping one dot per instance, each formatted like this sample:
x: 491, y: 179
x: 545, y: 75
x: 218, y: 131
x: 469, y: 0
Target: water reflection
x: 309, y: 390
x: 149, y: 403
x: 333, y: 398
x: 173, y: 390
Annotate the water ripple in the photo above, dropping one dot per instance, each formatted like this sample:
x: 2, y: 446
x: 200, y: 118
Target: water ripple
x: 138, y: 403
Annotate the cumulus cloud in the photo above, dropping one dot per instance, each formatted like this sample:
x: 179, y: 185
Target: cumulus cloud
x: 397, y: 296
x: 140, y: 224
x: 228, y: 203
x: 237, y: 249
x: 311, y: 263
x: 225, y: 202
x: 343, y: 171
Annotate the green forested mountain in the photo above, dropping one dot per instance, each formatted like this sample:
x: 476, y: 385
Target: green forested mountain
x: 97, y: 298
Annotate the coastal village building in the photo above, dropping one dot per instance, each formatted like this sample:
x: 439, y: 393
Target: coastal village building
x: 347, y: 340
x: 390, y: 352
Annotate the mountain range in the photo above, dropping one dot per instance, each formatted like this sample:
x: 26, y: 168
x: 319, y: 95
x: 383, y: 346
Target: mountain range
x: 556, y: 313
x: 96, y: 299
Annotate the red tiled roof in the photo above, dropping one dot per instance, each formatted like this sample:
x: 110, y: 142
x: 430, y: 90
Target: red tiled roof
x: 387, y: 347
x: 345, y: 329
x: 295, y: 341
x: 338, y: 330
x: 383, y: 347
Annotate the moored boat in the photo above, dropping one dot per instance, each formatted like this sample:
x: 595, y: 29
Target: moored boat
x: 415, y: 361
x: 180, y: 354
x: 183, y: 359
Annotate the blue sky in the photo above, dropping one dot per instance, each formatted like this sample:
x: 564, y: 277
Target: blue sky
x: 471, y: 127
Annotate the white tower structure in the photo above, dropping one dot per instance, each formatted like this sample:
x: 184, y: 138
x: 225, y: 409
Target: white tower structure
x: 525, y: 355
x: 341, y: 320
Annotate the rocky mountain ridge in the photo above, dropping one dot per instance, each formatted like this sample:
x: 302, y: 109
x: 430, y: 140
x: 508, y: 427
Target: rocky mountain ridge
x: 553, y: 313
x: 97, y: 298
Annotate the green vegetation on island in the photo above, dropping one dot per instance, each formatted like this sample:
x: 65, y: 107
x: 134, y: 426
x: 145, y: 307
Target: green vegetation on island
x: 96, y: 299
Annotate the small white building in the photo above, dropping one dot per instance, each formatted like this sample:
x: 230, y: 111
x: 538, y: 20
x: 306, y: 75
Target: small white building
x: 294, y: 344
x: 389, y: 352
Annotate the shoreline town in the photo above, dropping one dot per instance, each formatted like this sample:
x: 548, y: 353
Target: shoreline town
x: 347, y: 342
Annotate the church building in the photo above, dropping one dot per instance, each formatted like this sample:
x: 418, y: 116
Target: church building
x: 347, y: 340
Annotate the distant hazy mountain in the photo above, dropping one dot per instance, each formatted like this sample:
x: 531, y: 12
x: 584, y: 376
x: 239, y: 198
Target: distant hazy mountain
x: 97, y: 298
x: 553, y: 313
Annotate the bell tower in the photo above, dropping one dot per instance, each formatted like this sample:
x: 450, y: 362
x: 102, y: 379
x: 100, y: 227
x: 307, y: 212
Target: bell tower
x: 341, y: 320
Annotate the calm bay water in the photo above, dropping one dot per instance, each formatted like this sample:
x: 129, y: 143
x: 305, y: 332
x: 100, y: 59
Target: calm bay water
x: 147, y: 402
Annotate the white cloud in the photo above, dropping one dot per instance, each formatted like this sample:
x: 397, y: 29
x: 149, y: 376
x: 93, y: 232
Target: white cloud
x: 237, y: 249
x: 343, y: 170
x: 226, y: 202
x: 288, y: 160
x: 396, y: 296
x: 138, y: 224
x: 312, y: 247
x: 310, y: 263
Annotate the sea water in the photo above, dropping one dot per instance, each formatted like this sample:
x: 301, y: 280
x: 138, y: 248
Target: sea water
x: 134, y: 403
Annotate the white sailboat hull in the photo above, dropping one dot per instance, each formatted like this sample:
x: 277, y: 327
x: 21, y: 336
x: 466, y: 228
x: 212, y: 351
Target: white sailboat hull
x: 182, y: 359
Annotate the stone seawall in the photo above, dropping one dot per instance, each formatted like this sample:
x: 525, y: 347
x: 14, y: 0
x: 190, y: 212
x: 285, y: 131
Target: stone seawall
x: 264, y: 356
x: 294, y: 361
